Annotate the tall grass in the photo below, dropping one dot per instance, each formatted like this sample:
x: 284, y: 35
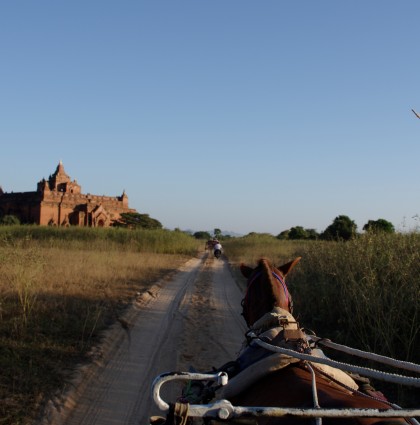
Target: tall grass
x: 59, y: 289
x: 249, y: 249
x: 158, y: 241
x: 366, y: 291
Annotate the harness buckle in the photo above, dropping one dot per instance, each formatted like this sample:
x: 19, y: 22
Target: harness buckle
x: 283, y: 321
x: 297, y: 339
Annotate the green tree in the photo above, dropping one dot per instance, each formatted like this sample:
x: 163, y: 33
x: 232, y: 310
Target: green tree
x: 133, y: 220
x: 283, y: 235
x: 9, y: 220
x: 312, y: 234
x: 341, y: 228
x: 202, y: 235
x: 380, y: 225
x: 298, y: 232
x: 217, y: 233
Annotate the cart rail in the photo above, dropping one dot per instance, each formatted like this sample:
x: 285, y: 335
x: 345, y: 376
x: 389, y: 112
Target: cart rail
x: 223, y: 409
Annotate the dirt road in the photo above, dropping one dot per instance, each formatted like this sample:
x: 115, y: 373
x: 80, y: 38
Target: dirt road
x: 193, y: 319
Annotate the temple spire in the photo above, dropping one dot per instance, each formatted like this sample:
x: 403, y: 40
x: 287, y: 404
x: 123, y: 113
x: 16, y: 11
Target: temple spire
x: 60, y: 167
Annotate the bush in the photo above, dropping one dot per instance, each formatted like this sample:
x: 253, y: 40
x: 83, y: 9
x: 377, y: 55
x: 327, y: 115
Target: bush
x: 342, y: 228
x: 9, y: 220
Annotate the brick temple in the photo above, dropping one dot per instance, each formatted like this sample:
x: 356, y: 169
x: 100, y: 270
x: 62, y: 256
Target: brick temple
x: 59, y: 201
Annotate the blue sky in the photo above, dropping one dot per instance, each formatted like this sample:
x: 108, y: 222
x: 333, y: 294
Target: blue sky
x: 236, y: 114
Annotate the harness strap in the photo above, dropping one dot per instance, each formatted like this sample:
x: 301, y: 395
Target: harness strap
x: 181, y: 413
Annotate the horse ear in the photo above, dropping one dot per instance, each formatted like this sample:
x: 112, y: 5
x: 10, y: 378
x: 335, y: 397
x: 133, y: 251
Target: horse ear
x: 245, y: 270
x: 286, y: 268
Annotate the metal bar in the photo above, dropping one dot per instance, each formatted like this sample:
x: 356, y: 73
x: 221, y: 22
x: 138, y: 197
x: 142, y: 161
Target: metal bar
x: 224, y: 409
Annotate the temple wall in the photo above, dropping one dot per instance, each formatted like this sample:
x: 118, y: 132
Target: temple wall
x: 23, y: 205
x: 58, y: 201
x: 62, y: 209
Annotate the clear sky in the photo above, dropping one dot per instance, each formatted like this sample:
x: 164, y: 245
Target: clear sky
x: 248, y: 116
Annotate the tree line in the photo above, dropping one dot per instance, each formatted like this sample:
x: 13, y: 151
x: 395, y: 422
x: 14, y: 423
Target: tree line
x: 342, y: 228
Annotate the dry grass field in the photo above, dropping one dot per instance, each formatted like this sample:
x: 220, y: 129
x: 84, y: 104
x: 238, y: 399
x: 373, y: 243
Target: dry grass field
x: 58, y: 292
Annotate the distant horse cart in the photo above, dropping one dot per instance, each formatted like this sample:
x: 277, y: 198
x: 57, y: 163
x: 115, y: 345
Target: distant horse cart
x: 281, y: 375
x: 211, y: 243
x: 215, y: 246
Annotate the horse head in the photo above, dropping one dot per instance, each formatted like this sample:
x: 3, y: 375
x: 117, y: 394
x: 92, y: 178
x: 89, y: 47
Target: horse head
x: 266, y: 289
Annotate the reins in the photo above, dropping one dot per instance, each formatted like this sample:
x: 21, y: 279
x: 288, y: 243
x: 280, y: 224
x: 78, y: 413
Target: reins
x: 372, y: 373
x: 400, y: 364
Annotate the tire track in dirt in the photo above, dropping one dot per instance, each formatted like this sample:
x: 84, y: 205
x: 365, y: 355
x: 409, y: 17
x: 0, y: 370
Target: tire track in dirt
x: 213, y: 330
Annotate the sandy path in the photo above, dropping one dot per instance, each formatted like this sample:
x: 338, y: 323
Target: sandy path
x: 194, y: 319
